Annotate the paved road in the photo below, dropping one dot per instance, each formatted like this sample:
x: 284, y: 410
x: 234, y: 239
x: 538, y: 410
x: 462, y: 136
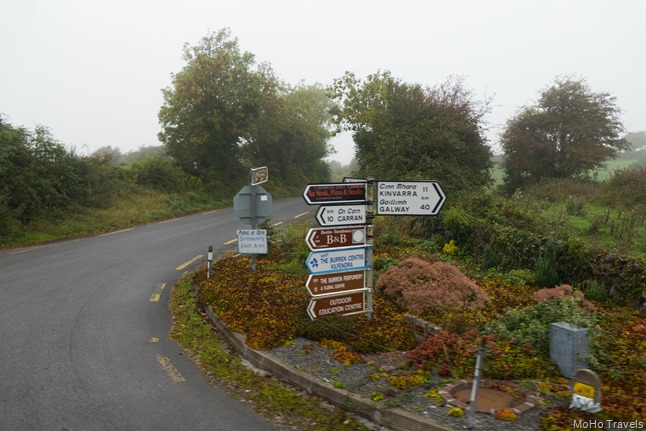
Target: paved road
x: 83, y: 341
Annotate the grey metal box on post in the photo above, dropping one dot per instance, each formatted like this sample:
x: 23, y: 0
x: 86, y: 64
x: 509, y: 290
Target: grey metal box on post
x: 569, y: 347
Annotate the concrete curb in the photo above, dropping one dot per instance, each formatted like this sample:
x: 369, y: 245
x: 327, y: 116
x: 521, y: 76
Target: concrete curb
x: 392, y: 418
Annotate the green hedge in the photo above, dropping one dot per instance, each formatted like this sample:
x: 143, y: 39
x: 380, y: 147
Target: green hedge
x: 578, y: 263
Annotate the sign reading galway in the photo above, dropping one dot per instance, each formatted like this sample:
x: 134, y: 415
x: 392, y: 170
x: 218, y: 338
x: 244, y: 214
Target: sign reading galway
x: 339, y: 193
x: 409, y: 198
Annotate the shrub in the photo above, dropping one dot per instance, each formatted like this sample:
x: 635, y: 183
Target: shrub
x: 489, y: 258
x: 420, y: 287
x: 546, y: 267
x: 562, y: 291
x: 531, y: 325
x: 265, y: 304
x: 456, y: 412
x: 595, y: 291
x: 506, y: 415
x: 452, y: 355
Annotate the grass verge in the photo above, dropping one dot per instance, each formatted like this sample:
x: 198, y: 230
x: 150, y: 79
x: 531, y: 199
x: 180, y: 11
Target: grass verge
x: 271, y: 398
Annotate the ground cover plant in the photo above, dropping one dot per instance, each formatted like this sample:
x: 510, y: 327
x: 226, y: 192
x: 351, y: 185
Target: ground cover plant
x: 513, y: 313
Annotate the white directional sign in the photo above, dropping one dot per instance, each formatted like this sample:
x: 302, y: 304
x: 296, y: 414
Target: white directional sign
x: 341, y: 215
x: 335, y: 260
x: 409, y: 197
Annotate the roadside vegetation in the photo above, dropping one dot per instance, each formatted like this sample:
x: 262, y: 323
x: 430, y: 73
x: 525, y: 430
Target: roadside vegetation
x: 552, y: 229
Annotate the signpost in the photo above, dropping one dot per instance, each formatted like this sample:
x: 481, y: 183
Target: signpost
x: 253, y: 205
x: 341, y: 257
x: 337, y: 260
x: 338, y: 193
x: 341, y: 215
x: 409, y: 198
x: 320, y: 239
x: 323, y: 284
x: 342, y: 305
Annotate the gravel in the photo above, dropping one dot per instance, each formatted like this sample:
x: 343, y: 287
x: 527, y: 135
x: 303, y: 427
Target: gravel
x: 309, y: 357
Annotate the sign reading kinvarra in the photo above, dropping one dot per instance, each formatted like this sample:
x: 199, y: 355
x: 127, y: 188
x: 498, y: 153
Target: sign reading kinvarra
x: 409, y: 198
x: 339, y: 193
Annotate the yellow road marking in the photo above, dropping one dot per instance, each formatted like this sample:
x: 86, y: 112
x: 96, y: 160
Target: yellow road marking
x: 168, y: 221
x: 185, y: 264
x: 277, y: 224
x: 25, y: 250
x: 170, y: 369
x: 154, y: 339
x: 302, y: 214
x: 230, y: 242
x: 117, y: 231
x: 157, y: 293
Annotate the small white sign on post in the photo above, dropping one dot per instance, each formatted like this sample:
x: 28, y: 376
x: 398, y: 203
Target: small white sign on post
x: 252, y: 241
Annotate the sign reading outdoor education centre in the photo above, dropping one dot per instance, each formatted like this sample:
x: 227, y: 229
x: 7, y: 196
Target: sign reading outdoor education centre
x: 339, y: 193
x: 341, y: 215
x: 320, y: 239
x: 337, y: 260
x: 409, y: 198
x: 323, y: 284
x: 342, y: 305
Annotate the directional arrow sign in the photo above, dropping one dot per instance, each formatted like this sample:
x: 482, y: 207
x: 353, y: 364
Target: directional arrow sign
x: 343, y: 305
x: 336, y: 260
x: 341, y: 215
x: 320, y: 239
x: 339, y: 193
x: 409, y: 198
x: 323, y: 284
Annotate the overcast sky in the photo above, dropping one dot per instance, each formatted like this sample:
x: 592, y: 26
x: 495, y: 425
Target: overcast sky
x: 92, y: 71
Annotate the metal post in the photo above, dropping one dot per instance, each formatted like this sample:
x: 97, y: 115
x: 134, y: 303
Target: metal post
x: 369, y: 242
x: 209, y: 260
x: 253, y: 215
x: 476, y: 384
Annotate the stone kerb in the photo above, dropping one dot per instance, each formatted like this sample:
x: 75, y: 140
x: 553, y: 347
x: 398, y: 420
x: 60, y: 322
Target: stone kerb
x: 392, y: 418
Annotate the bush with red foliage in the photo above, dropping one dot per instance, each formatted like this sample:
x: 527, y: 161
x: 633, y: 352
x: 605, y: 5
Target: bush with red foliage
x: 421, y: 287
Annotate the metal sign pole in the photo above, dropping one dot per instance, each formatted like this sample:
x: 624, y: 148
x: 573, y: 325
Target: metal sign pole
x: 369, y: 254
x: 253, y: 216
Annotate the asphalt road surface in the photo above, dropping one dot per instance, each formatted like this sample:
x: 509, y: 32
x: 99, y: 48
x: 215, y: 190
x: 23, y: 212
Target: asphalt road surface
x: 84, y: 331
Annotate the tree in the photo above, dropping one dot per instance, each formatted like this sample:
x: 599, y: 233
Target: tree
x: 291, y: 136
x: 403, y: 130
x: 212, y: 107
x: 569, y: 131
